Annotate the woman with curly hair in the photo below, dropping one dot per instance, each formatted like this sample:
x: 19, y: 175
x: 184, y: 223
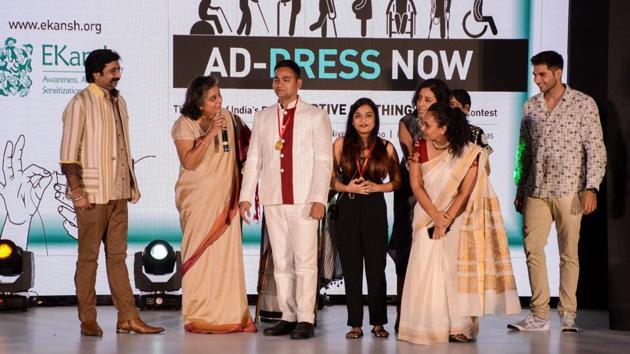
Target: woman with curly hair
x: 459, y: 266
x: 427, y: 93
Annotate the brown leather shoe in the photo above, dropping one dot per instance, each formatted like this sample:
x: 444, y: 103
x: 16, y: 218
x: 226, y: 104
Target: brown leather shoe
x: 91, y: 328
x: 137, y: 325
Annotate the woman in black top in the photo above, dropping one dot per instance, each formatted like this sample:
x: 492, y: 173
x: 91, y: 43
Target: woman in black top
x: 362, y: 161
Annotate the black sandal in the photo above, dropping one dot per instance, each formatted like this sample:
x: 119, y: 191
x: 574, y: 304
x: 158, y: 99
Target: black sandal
x: 354, y: 333
x: 380, y: 332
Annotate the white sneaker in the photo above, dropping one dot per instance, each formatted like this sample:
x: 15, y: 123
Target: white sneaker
x: 530, y: 323
x: 567, y: 323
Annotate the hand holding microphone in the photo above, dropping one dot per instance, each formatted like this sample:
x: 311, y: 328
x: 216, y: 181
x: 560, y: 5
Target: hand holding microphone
x: 220, y: 120
x: 218, y: 123
x: 224, y: 138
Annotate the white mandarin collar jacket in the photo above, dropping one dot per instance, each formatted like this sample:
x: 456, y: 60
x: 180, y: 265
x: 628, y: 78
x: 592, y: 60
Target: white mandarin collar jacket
x: 312, y: 157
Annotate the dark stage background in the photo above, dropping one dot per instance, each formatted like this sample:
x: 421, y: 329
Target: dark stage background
x: 600, y: 66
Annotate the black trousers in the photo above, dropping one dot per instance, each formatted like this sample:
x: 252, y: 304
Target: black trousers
x: 361, y: 234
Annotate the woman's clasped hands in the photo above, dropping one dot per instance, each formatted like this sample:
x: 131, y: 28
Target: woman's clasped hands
x: 362, y: 186
x: 442, y: 222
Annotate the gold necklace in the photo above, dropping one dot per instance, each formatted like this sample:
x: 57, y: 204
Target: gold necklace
x: 205, y: 123
x: 440, y: 147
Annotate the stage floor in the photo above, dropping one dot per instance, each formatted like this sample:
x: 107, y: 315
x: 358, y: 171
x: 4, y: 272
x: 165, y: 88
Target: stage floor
x: 56, y: 330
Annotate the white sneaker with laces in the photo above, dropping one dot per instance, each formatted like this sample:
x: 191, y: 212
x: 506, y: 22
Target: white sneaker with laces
x: 530, y: 323
x: 567, y: 323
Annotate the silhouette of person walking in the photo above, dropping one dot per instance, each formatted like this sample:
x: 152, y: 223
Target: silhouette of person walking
x: 363, y: 11
x: 246, y: 18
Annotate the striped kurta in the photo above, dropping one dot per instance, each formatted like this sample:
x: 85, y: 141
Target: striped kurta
x: 89, y: 139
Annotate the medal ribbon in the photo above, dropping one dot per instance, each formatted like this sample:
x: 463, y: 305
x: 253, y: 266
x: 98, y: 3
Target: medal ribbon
x: 361, y: 167
x: 283, y: 128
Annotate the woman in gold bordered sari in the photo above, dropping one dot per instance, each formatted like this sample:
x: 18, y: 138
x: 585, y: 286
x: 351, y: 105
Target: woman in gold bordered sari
x: 459, y: 268
x: 213, y: 278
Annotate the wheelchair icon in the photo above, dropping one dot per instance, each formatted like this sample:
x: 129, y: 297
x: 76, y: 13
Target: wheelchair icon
x: 479, y: 17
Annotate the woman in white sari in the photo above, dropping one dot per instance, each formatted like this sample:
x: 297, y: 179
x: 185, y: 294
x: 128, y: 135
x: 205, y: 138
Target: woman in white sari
x: 459, y: 268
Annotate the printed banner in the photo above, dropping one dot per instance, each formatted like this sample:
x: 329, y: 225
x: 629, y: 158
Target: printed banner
x: 380, y: 49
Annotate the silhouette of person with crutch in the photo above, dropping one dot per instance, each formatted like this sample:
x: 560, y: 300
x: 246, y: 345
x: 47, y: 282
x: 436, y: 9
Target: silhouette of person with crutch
x: 363, y: 11
x: 326, y: 9
x: 440, y: 12
x: 246, y: 19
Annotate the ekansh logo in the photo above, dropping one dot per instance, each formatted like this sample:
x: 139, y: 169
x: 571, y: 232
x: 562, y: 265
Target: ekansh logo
x: 15, y: 67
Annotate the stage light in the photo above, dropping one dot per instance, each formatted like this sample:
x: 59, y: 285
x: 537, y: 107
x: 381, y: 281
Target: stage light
x: 159, y: 252
x: 6, y: 251
x: 10, y: 258
x: 158, y: 258
x: 16, y: 276
x: 158, y: 261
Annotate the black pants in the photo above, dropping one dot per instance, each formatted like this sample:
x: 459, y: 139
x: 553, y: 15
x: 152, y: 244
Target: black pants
x: 361, y: 233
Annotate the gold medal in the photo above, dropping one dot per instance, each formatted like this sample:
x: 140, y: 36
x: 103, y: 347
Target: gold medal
x: 281, y: 129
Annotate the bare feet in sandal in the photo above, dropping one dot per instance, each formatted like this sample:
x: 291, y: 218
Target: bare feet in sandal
x: 354, y: 333
x: 380, y: 332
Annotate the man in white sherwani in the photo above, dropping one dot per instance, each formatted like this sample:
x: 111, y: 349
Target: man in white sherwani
x: 290, y: 154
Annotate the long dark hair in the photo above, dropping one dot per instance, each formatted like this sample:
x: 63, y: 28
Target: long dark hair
x: 458, y: 130
x: 379, y: 161
x: 194, y: 95
x: 439, y: 89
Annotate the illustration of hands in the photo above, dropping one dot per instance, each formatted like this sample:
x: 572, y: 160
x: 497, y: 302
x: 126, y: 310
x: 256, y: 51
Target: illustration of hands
x: 66, y: 209
x: 21, y: 190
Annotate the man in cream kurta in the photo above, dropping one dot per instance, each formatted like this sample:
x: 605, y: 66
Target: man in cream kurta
x: 290, y: 155
x: 96, y: 160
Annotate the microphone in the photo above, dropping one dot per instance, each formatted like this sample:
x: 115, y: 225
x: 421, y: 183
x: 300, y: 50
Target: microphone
x: 224, y: 138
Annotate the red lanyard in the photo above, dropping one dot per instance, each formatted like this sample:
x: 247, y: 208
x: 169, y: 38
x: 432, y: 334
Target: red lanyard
x: 283, y: 128
x: 360, y: 167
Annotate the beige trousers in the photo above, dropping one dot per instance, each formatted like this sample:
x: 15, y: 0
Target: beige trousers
x: 293, y: 238
x: 538, y: 214
x: 106, y: 223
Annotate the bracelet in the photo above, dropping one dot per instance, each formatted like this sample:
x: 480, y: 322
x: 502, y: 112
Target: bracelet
x: 79, y: 198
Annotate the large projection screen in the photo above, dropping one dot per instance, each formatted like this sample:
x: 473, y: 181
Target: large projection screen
x: 43, y: 45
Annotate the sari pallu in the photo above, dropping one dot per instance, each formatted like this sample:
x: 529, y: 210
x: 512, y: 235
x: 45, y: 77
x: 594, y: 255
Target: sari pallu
x: 452, y: 281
